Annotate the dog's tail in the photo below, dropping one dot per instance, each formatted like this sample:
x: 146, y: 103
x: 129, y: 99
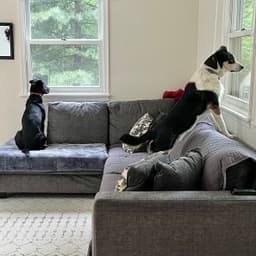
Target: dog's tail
x: 133, y: 140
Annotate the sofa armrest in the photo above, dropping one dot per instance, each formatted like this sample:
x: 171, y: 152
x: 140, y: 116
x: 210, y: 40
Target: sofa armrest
x: 174, y: 223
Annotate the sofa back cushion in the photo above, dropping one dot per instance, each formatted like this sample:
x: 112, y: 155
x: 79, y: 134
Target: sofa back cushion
x: 124, y: 114
x: 77, y: 122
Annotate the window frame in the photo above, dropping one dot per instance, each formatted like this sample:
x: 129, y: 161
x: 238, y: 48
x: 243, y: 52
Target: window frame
x: 90, y: 92
x: 234, y: 105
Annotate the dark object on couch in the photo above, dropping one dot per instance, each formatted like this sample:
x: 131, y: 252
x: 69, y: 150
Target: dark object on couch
x: 32, y: 136
x: 180, y: 118
x: 241, y: 175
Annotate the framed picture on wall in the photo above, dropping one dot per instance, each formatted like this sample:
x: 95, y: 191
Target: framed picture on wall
x: 6, y: 41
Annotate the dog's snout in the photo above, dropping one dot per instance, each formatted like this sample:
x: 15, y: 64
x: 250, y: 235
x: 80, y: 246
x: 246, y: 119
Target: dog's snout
x: 47, y: 90
x: 236, y: 67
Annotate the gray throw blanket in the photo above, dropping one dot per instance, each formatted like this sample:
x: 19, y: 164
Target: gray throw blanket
x: 219, y: 152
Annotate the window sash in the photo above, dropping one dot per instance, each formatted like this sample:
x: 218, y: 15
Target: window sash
x: 101, y: 42
x: 233, y: 104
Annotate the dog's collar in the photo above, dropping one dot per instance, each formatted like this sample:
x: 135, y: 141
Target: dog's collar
x: 37, y: 93
x: 212, y: 72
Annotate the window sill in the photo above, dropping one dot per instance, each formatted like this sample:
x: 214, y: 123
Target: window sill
x: 73, y: 97
x: 241, y: 115
x: 236, y: 107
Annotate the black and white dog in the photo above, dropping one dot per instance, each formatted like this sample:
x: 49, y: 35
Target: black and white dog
x: 181, y: 117
x: 32, y: 137
x: 207, y: 77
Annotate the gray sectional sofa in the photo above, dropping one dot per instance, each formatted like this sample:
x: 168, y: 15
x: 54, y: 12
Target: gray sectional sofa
x: 208, y: 222
x: 85, y: 156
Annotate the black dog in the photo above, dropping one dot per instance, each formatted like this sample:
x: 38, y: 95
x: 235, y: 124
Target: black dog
x: 32, y: 137
x: 181, y: 117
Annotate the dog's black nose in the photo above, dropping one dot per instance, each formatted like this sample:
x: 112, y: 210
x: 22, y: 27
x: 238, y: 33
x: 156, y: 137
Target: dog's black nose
x: 47, y: 90
x: 242, y: 67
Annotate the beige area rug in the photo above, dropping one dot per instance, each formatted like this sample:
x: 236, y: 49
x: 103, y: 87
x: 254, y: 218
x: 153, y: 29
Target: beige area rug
x: 45, y: 226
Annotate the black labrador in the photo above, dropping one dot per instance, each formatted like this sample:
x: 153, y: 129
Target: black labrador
x: 32, y: 137
x: 182, y: 116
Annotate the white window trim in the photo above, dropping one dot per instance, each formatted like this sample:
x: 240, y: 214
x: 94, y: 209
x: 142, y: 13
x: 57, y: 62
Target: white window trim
x: 69, y: 93
x: 237, y: 107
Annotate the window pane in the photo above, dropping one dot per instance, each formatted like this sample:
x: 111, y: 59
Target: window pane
x: 247, y: 14
x: 240, y: 82
x: 244, y: 15
x: 66, y: 65
x: 69, y: 19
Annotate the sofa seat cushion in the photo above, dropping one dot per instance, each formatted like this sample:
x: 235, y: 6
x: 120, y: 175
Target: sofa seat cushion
x: 109, y: 181
x: 119, y: 159
x: 56, y: 158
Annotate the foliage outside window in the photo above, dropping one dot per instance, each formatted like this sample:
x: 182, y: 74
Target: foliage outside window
x: 65, y: 44
x: 240, y: 39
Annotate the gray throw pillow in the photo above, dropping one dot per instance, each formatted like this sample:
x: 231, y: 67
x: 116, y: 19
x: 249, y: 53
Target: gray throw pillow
x: 139, y: 176
x: 181, y: 174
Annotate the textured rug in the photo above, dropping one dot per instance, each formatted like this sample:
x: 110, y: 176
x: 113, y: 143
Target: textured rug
x: 45, y: 226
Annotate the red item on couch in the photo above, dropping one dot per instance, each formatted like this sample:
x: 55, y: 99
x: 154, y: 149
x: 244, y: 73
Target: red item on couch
x: 173, y: 94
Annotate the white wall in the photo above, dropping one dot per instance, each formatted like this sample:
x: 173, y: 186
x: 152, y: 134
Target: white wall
x: 206, y: 29
x: 153, y: 47
x: 210, y: 27
x: 11, y: 104
x: 210, y: 37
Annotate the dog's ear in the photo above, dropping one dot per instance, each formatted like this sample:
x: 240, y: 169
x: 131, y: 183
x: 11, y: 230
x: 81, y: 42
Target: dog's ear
x: 223, y: 48
x: 40, y: 83
x: 212, y: 62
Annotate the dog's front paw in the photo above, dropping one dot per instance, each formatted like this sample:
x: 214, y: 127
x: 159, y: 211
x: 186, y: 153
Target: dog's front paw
x: 230, y: 135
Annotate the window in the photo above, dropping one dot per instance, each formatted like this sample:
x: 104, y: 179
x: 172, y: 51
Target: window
x: 240, y: 39
x: 66, y: 44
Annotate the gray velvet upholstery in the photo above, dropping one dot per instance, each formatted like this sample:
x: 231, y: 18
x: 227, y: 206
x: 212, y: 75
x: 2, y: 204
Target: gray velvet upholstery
x: 118, y: 159
x: 213, y: 223
x: 50, y: 183
x: 74, y: 122
x: 56, y: 158
x: 109, y: 182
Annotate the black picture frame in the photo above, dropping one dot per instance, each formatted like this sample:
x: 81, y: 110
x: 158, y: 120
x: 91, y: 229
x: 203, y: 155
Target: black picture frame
x: 6, y: 40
